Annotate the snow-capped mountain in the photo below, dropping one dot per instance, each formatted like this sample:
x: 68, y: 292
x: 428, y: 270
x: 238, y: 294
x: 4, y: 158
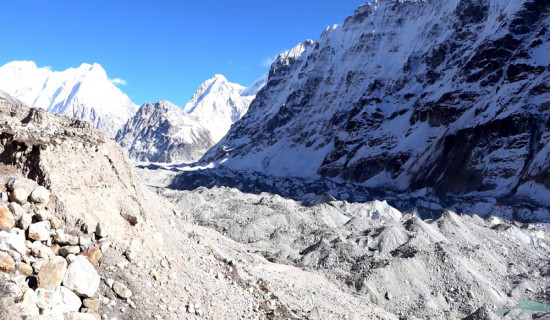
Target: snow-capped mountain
x: 84, y: 92
x: 404, y: 95
x: 218, y: 103
x: 162, y: 132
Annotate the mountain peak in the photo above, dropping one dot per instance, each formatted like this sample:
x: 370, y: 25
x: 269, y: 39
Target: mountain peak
x: 83, y: 92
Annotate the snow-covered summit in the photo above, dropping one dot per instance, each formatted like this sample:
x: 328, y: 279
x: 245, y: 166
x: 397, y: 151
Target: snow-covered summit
x: 84, y: 92
x: 218, y: 103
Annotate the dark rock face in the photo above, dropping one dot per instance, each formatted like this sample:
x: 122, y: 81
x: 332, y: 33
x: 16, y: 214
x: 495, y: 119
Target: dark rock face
x: 449, y: 95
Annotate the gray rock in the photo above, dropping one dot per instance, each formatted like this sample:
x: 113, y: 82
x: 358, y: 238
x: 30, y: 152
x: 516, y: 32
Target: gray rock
x: 81, y: 277
x: 16, y: 210
x: 121, y: 290
x: 102, y: 229
x: 67, y: 250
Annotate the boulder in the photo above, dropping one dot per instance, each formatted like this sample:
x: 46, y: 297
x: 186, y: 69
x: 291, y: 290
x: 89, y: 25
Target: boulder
x: 67, y: 250
x: 102, y: 229
x: 58, y: 301
x: 25, y: 221
x: 19, y: 195
x: 12, y: 241
x: 6, y: 262
x: 28, y: 304
x: 81, y: 277
x: 39, y: 231
x: 6, y: 217
x: 93, y: 254
x: 16, y: 210
x: 40, y: 195
x: 121, y: 290
x: 52, y: 273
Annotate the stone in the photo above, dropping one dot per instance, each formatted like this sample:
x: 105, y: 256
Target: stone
x: 109, y: 282
x: 25, y: 269
x: 132, y: 217
x: 26, y: 221
x: 102, y: 229
x: 56, y: 224
x: 52, y: 273
x: 12, y: 241
x: 43, y: 215
x: 40, y: 195
x: 121, y: 290
x: 28, y: 304
x: 16, y: 210
x: 6, y: 217
x: 65, y: 239
x: 131, y: 256
x: 19, y: 195
x: 81, y: 277
x: 39, y: 231
x: 67, y: 250
x: 6, y: 262
x: 92, y: 304
x: 58, y: 301
x: 93, y: 254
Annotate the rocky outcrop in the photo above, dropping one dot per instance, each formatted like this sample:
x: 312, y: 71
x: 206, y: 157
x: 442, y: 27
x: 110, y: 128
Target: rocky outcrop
x: 74, y: 161
x: 447, y: 95
x: 163, y: 132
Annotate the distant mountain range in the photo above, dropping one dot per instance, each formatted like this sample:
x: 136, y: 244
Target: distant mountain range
x: 84, y: 92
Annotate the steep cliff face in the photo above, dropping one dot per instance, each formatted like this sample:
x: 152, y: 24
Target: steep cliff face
x: 163, y: 132
x: 450, y: 95
x: 84, y: 92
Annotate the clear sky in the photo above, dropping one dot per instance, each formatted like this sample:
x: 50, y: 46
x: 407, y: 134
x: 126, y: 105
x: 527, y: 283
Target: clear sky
x: 164, y: 49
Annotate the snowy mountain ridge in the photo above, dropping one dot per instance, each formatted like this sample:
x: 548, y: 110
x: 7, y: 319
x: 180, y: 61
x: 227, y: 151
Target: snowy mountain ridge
x: 84, y: 92
x: 164, y: 132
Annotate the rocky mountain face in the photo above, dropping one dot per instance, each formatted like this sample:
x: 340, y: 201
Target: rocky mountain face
x: 163, y: 132
x: 218, y: 103
x: 84, y: 93
x: 406, y: 95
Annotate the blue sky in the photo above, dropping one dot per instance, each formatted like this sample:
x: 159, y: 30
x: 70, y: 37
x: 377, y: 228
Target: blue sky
x: 164, y: 49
